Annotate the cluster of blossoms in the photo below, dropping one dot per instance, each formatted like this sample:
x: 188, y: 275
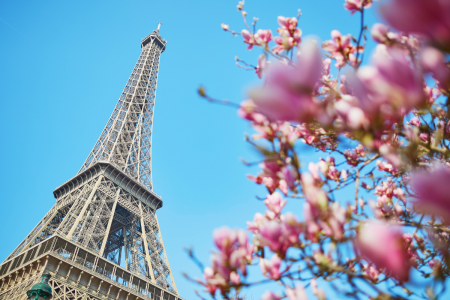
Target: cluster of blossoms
x: 230, y: 263
x: 376, y: 207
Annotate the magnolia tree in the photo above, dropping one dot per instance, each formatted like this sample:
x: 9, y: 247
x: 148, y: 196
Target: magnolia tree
x: 384, y: 132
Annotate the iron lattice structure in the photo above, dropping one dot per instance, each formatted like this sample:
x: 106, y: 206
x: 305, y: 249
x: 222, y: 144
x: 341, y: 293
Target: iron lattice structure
x: 101, y: 240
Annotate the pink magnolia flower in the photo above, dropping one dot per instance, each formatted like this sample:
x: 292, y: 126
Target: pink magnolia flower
x: 230, y: 263
x: 384, y: 247
x: 372, y: 273
x: 279, y: 234
x: 225, y: 26
x: 356, y: 5
x: 314, y: 170
x: 263, y: 36
x: 287, y: 40
x: 434, y: 263
x: 247, y: 110
x: 210, y: 283
x: 291, y: 228
x: 290, y: 175
x: 287, y: 92
x: 271, y: 269
x: 389, y: 89
x: 432, y: 191
x: 434, y: 61
x: 415, y: 122
x: 275, y: 202
x: 289, y: 35
x: 224, y: 239
x: 262, y: 61
x: 269, y: 295
x: 352, y: 157
x: 384, y: 166
x: 425, y: 18
x: 287, y: 23
x: 339, y: 47
x: 235, y: 278
x: 270, y: 232
x: 379, y: 33
x: 298, y: 293
x: 248, y: 38
x: 258, y: 221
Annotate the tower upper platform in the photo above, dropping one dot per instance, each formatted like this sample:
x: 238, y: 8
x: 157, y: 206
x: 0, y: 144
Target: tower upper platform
x: 156, y: 37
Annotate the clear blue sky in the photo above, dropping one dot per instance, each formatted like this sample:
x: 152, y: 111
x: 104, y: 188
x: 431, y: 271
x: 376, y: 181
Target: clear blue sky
x: 63, y: 65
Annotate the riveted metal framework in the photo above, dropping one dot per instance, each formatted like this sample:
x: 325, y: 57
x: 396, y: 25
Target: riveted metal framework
x: 101, y: 240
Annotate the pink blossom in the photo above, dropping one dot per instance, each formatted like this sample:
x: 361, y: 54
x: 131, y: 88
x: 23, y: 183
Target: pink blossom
x: 269, y: 295
x: 298, y: 293
x: 407, y: 238
x: 289, y: 35
x: 254, y: 226
x: 271, y: 269
x: 235, y: 278
x: 248, y: 38
x: 289, y: 174
x: 423, y: 137
x: 360, y: 150
x: 384, y: 166
x: 275, y: 202
x: 379, y: 33
x: 287, y: 93
x: 287, y: 23
x: 356, y: 5
x: 432, y: 191
x: 262, y: 61
x: 287, y: 40
x: 354, y: 117
x: 415, y: 122
x: 225, y: 26
x: 272, y: 175
x: 280, y: 234
x: 291, y: 228
x: 333, y: 173
x: 389, y: 89
x: 434, y: 263
x: 314, y: 170
x: 210, y: 282
x: 230, y: 263
x: 351, y: 156
x: 247, y: 110
x: 372, y: 273
x: 270, y: 232
x: 313, y: 193
x: 320, y: 217
x: 383, y: 246
x: 426, y: 18
x: 339, y: 47
x: 314, y: 288
x: 282, y: 185
x: 224, y: 239
x: 434, y: 61
x: 263, y: 36
x: 326, y: 66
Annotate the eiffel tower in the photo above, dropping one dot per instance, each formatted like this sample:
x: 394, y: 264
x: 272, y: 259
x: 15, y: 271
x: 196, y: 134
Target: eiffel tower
x: 101, y: 240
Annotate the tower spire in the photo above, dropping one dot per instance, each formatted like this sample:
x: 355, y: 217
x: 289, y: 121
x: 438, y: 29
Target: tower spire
x: 102, y: 238
x: 126, y: 139
x: 159, y: 25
